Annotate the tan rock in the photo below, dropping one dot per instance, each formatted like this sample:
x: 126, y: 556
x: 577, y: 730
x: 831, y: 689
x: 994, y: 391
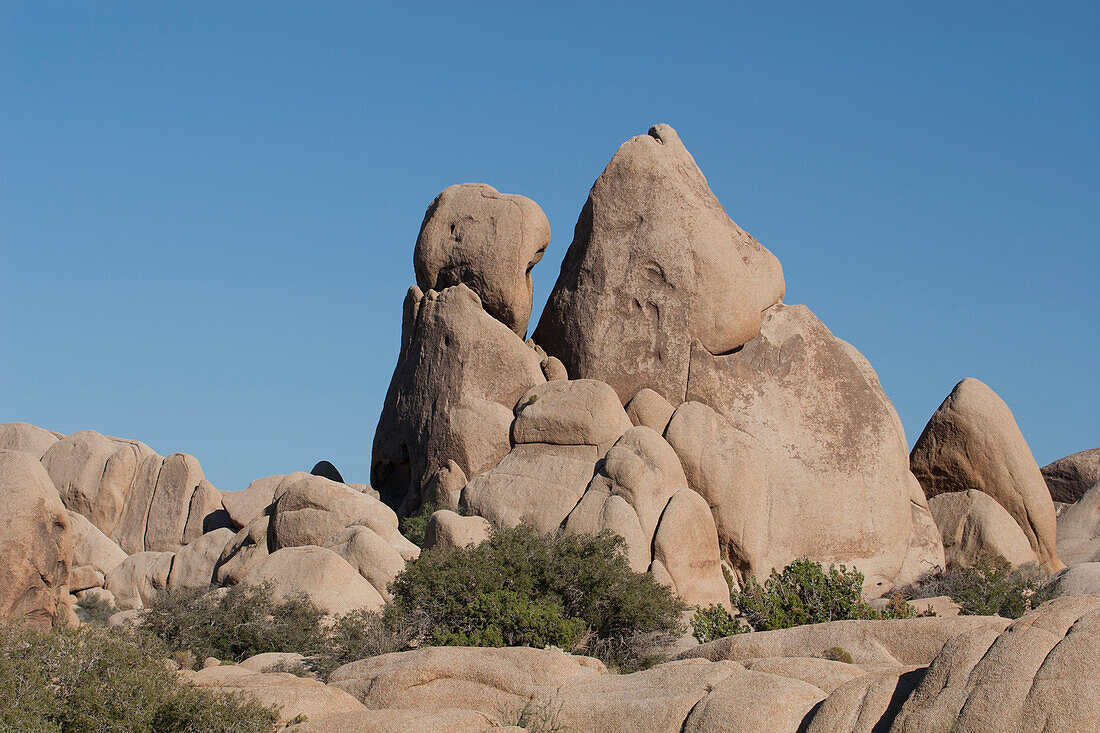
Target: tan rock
x: 179, y: 478
x: 655, y: 264
x: 1038, y: 674
x: 1069, y: 478
x: 685, y: 548
x: 1082, y: 579
x: 205, y: 513
x: 246, y: 505
x: 248, y: 547
x: 972, y: 442
x: 25, y: 437
x: 458, y: 377
x: 448, y: 530
x: 444, y: 487
x: 914, y: 641
x: 824, y: 674
x: 452, y: 720
x: 91, y: 547
x: 129, y: 531
x: 93, y: 474
x: 318, y: 572
x: 291, y: 695
x: 374, y: 558
x: 194, y: 564
x: 36, y: 544
x: 537, y: 483
x: 1079, y: 529
x: 650, y: 409
x: 943, y: 606
x: 600, y: 510
x: 474, y: 235
x: 973, y: 524
x: 85, y: 577
x: 834, y: 451
x: 724, y: 465
x: 135, y: 581
x: 267, y: 661
x: 574, y: 412
x: 749, y: 702
x: 481, y: 679
x: 866, y: 704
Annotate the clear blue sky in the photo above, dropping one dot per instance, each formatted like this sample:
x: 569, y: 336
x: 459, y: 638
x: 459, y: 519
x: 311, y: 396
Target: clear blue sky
x: 208, y: 209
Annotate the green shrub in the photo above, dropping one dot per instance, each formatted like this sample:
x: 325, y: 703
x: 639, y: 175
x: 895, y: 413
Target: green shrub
x: 97, y: 678
x: 415, y: 526
x: 715, y: 622
x: 990, y: 587
x: 94, y: 609
x: 838, y: 654
x: 520, y: 587
x: 361, y: 634
x: 234, y: 624
x: 807, y: 593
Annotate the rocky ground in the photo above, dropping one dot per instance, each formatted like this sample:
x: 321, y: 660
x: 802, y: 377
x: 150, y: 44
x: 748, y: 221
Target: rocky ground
x: 668, y: 395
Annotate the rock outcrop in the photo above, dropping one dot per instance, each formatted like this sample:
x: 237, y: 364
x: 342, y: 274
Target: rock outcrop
x: 489, y: 241
x: 1079, y: 529
x: 28, y: 438
x: 655, y: 265
x: 318, y: 572
x: 972, y: 524
x: 458, y: 377
x: 1069, y: 478
x: 36, y: 544
x: 447, y: 530
x: 832, y: 447
x: 972, y: 442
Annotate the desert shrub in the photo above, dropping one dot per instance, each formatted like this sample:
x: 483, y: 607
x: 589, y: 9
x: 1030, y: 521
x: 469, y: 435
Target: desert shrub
x: 93, y: 609
x: 838, y: 654
x: 415, y: 526
x: 715, y: 622
x: 234, y: 624
x: 361, y: 634
x: 990, y: 587
x: 520, y: 587
x: 97, y: 678
x: 536, y: 715
x: 807, y: 593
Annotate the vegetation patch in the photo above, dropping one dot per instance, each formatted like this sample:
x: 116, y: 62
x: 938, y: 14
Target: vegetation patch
x: 989, y: 588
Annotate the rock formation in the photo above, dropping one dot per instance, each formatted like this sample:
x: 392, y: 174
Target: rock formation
x: 972, y: 442
x: 36, y: 544
x: 1070, y: 477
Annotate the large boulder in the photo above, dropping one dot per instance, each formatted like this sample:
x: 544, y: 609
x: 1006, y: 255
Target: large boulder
x: 724, y: 465
x: 193, y: 566
x: 318, y: 572
x: 650, y: 409
x: 452, y: 720
x: 833, y: 451
x: 449, y: 530
x: 474, y: 235
x: 36, y: 544
x: 459, y: 375
x: 377, y: 560
x: 295, y: 698
x: 685, y: 551
x: 972, y: 525
x: 1069, y: 478
x: 92, y: 548
x: 570, y: 412
x: 1038, y: 674
x: 867, y: 704
x: 655, y: 265
x: 137, y: 580
x: 913, y: 641
x: 1082, y: 579
x: 1079, y: 529
x: 248, y: 547
x: 972, y: 442
x: 245, y: 505
x: 28, y: 438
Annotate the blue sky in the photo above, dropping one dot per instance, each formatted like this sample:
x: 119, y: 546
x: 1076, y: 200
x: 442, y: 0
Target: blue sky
x: 208, y: 209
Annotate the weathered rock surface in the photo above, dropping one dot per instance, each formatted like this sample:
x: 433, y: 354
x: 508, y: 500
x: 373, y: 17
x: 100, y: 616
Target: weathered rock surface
x: 25, y: 437
x: 724, y: 465
x: 866, y: 704
x: 333, y: 585
x: 685, y: 551
x: 486, y: 680
x: 377, y: 560
x: 91, y: 547
x: 914, y: 641
x: 451, y: 720
x: 193, y: 566
x: 748, y: 702
x: 539, y: 483
x: 833, y: 448
x: 36, y: 544
x: 249, y: 546
x: 246, y: 505
x: 972, y: 442
x: 655, y: 264
x: 1040, y: 673
x: 1079, y: 529
x: 650, y: 409
x: 447, y: 530
x: 1082, y: 579
x: 489, y: 241
x: 1069, y: 478
x: 573, y: 412
x: 292, y: 695
x: 135, y: 581
x: 824, y: 674
x: 973, y: 524
x: 459, y: 375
